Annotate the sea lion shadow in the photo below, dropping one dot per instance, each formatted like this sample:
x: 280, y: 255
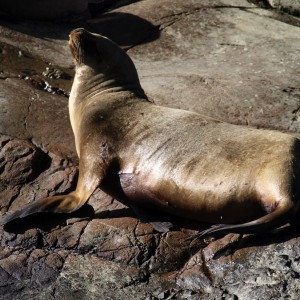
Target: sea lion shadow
x: 276, y: 236
x: 47, y: 221
x: 125, y: 29
x: 149, y: 216
x: 252, y: 241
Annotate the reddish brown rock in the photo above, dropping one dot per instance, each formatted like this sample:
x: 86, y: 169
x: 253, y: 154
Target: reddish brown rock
x: 226, y: 59
x: 20, y: 161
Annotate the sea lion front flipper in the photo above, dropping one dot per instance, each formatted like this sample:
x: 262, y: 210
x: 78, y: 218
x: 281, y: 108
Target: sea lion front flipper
x: 89, y: 179
x: 55, y: 204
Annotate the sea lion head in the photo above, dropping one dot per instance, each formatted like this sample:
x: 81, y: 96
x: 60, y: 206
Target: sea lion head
x: 96, y: 55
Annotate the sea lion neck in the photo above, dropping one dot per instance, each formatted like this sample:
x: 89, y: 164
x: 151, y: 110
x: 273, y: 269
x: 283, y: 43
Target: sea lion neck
x: 90, y: 83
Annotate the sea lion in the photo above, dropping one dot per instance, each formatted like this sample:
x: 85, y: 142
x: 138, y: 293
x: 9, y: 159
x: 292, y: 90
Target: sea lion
x: 175, y: 160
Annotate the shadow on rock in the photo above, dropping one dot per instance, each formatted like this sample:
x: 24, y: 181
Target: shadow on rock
x: 125, y: 29
x: 114, y: 214
x: 230, y: 243
x: 47, y: 221
x: 41, y: 29
x: 277, y: 236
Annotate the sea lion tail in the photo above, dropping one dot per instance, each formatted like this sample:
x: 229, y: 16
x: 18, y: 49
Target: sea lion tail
x: 56, y: 204
x: 280, y: 216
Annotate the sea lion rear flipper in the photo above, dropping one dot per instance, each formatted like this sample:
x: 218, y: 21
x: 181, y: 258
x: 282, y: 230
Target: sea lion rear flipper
x: 280, y: 216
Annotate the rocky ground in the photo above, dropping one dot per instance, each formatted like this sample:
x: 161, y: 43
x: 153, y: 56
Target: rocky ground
x: 233, y: 60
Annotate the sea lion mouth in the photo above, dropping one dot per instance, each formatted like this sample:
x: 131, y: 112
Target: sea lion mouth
x: 76, y: 45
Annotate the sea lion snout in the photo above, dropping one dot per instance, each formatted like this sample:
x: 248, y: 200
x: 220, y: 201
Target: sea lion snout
x: 76, y: 32
x: 84, y: 46
x: 77, y: 39
x: 75, y: 44
x: 82, y: 34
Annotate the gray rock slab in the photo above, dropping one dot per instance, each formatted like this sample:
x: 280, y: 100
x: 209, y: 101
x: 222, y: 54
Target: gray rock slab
x: 237, y: 66
x: 267, y: 271
x: 46, y: 41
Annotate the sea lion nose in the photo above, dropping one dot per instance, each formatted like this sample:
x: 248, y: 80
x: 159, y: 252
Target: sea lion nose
x: 77, y: 32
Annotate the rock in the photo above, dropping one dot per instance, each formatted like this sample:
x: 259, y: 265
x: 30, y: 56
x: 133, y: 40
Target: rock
x: 20, y: 161
x: 252, y: 272
x: 231, y: 60
x: 109, y: 280
x: 290, y: 6
x: 223, y: 59
x: 32, y: 38
x: 30, y: 113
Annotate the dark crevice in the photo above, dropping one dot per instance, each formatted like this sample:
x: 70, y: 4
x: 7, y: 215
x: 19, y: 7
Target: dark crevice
x: 80, y: 235
x: 13, y: 198
x: 205, y: 269
x: 41, y: 163
x: 144, y: 279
